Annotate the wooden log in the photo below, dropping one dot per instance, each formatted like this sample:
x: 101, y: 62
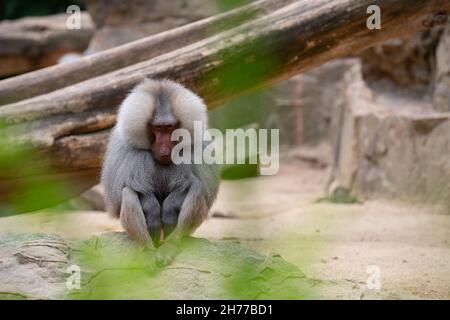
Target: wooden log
x: 272, y: 48
x: 62, y: 75
x: 36, y: 42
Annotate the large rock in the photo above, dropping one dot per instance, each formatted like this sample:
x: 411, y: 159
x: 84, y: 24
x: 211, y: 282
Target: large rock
x: 36, y: 42
x: 406, y: 63
x: 112, y: 266
x: 202, y: 270
x: 33, y: 266
x: 391, y: 145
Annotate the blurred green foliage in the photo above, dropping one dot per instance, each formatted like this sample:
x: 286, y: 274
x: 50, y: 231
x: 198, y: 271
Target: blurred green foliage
x: 27, y: 182
x: 231, y: 4
x: 113, y: 267
x: 240, y: 70
x: 250, y: 109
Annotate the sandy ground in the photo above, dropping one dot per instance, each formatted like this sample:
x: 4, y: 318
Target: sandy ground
x: 408, y: 244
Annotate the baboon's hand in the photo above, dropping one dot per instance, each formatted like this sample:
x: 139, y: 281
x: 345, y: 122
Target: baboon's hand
x: 166, y: 253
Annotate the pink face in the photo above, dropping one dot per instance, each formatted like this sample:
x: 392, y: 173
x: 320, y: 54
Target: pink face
x: 162, y: 145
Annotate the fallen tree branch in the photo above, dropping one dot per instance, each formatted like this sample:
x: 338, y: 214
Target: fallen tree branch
x: 70, y: 125
x: 62, y: 75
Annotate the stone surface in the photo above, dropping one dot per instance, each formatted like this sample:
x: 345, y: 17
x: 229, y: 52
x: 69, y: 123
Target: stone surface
x: 35, y: 42
x: 407, y: 62
x: 32, y: 266
x: 392, y: 145
x: 202, y: 270
x: 441, y: 97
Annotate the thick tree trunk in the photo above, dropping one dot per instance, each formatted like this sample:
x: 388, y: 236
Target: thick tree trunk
x: 71, y: 124
x: 62, y: 75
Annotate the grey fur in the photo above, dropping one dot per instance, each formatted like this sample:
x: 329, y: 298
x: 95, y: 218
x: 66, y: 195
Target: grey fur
x: 170, y: 196
x: 132, y: 217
